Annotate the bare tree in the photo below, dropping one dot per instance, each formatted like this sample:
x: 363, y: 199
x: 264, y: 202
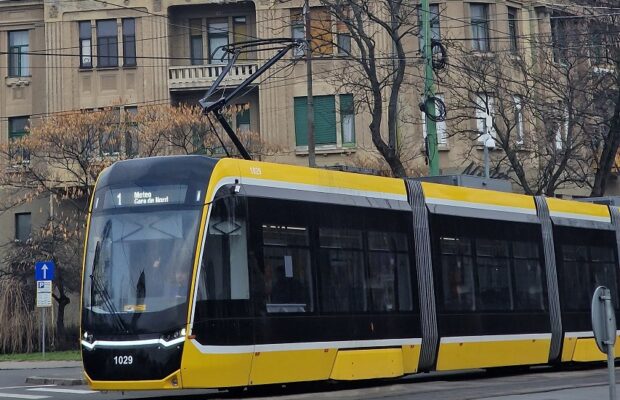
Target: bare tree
x: 372, y: 40
x: 541, y: 107
x: 62, y: 156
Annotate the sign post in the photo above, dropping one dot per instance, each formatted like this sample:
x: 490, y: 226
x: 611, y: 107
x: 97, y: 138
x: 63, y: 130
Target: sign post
x: 44, y: 274
x: 604, y: 328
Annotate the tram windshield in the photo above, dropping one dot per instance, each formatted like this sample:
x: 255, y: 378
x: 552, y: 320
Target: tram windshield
x: 139, y: 262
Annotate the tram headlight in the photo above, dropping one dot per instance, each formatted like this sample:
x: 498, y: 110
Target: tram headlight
x: 88, y: 337
x: 173, y: 335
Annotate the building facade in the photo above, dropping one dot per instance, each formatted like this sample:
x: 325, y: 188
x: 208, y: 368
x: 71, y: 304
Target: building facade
x: 82, y: 55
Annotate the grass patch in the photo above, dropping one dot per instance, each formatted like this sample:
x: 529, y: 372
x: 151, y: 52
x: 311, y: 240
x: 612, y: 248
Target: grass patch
x: 73, y: 355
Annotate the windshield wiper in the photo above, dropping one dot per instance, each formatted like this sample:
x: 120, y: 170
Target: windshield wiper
x: 101, y: 290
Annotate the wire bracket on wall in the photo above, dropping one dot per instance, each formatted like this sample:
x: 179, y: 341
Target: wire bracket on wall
x: 440, y: 109
x: 439, y: 54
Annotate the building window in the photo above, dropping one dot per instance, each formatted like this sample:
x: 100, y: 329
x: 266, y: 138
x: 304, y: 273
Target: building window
x: 320, y: 30
x: 519, y: 119
x: 325, y: 120
x: 343, y: 34
x: 297, y: 30
x: 485, y: 109
x: 86, y: 44
x: 110, y: 142
x: 23, y: 226
x: 242, y: 118
x: 218, y: 36
x: 442, y: 132
x: 19, y: 63
x: 195, y: 41
x: 480, y: 26
x: 347, y: 119
x: 434, y: 25
x: 601, y: 48
x: 129, y: 42
x: 513, y: 32
x: 240, y: 33
x: 559, y: 39
x: 18, y: 127
x: 131, y: 134
x: 107, y: 43
x: 344, y: 39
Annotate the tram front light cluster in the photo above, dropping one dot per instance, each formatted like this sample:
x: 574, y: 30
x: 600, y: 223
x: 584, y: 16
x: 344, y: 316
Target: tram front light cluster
x: 88, y: 337
x: 174, y: 335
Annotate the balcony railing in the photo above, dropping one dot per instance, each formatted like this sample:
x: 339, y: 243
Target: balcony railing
x: 202, y: 76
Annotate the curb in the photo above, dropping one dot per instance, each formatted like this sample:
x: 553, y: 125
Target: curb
x: 38, y: 380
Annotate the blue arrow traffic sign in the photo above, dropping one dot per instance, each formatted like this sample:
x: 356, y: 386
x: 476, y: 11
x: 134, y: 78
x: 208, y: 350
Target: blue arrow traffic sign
x: 44, y: 270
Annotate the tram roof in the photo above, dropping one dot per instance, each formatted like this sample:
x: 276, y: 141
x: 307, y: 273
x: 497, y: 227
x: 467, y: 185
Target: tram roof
x: 315, y: 179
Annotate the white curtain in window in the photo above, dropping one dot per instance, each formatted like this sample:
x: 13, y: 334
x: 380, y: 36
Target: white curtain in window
x: 561, y: 132
x: 518, y: 118
x: 348, y: 128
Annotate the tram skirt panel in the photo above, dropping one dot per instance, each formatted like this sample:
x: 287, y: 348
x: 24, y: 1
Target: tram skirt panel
x: 469, y: 352
x: 585, y: 349
x: 291, y: 366
x: 368, y: 364
x: 209, y: 370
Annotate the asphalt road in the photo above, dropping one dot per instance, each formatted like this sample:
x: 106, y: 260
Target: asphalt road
x: 536, y: 384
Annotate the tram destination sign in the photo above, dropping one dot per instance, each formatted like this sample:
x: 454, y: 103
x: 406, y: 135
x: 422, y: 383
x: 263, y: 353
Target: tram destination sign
x: 140, y: 196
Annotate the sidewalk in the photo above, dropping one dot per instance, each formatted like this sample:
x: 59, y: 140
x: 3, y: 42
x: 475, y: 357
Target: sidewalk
x: 62, y: 373
x: 5, y: 365
x: 580, y: 393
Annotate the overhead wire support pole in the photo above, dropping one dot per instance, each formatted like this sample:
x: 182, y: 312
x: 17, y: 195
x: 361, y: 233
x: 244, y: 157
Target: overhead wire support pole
x: 309, y: 98
x: 429, y: 95
x: 283, y: 45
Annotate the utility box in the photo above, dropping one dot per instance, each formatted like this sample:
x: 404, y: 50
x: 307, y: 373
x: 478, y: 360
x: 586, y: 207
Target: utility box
x: 471, y: 181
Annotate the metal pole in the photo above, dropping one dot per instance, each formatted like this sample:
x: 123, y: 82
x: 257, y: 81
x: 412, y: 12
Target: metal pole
x: 610, y: 343
x: 486, y: 156
x: 612, y: 372
x: 431, y: 126
x: 310, y: 99
x: 43, y: 335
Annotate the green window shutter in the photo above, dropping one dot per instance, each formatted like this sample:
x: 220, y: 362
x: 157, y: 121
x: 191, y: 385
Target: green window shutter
x: 301, y: 121
x: 325, y: 120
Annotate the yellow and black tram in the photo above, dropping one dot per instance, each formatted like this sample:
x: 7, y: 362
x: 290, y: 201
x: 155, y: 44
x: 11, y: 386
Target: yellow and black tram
x: 204, y: 273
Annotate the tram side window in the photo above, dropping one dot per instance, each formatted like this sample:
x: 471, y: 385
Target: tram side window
x: 577, y: 277
x: 342, y: 276
x: 286, y: 254
x: 494, y: 283
x: 224, y: 274
x: 281, y: 272
x: 388, y: 259
x: 457, y: 273
x: 604, y: 270
x: 487, y: 267
x: 528, y: 276
x: 588, y: 260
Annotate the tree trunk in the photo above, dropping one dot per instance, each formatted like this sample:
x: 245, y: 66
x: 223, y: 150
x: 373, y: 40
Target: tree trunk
x: 61, y: 339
